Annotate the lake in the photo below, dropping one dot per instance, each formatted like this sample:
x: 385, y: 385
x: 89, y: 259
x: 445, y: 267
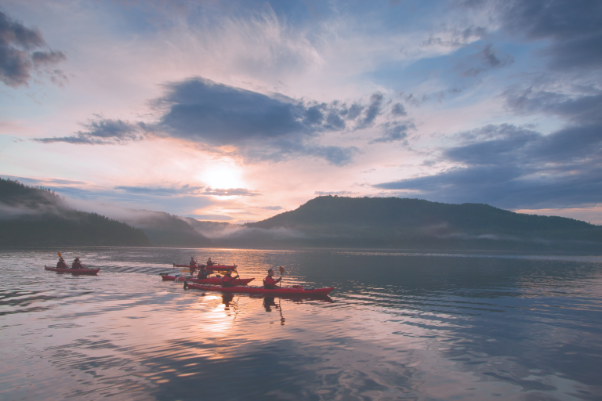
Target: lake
x: 399, y: 325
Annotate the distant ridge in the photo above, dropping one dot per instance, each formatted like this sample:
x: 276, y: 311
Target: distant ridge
x: 39, y: 217
x: 415, y: 223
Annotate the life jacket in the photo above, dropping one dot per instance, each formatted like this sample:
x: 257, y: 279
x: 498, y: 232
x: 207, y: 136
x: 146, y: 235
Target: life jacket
x: 228, y: 281
x: 77, y: 265
x: 269, y: 283
x: 61, y: 265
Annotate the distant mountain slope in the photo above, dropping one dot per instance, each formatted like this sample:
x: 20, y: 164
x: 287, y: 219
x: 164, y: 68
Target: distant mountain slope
x: 165, y: 229
x: 36, y: 216
x: 418, y: 223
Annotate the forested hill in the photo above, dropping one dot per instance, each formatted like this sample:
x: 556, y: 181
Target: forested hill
x: 37, y: 216
x: 418, y: 223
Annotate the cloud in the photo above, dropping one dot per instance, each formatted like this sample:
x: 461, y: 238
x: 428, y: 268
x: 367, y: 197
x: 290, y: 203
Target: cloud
x: 398, y: 110
x: 182, y: 191
x: 230, y: 192
x: 573, y: 28
x: 219, y: 217
x: 394, y: 131
x: 162, y: 191
x: 205, y: 111
x: 515, y: 167
x: 579, y: 109
x: 372, y: 111
x: 272, y: 207
x: 18, y: 56
x: 261, y: 127
x: 486, y: 59
x: 104, y: 132
x: 455, y: 38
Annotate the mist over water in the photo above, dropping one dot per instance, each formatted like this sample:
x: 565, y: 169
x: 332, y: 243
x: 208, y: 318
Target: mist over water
x: 397, y: 326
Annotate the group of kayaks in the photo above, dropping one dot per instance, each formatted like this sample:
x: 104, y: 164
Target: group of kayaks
x: 215, y: 283
x: 238, y: 285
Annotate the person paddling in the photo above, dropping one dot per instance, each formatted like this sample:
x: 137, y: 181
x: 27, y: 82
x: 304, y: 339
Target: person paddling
x: 192, y: 265
x: 203, y: 274
x: 228, y: 280
x: 61, y: 264
x: 269, y: 283
x: 209, y: 262
x: 76, y: 264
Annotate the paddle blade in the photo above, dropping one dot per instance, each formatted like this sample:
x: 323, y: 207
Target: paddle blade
x: 60, y: 256
x: 184, y: 271
x: 281, y: 269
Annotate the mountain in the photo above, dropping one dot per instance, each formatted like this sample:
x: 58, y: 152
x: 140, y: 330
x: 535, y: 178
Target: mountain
x: 37, y: 216
x: 165, y: 229
x: 420, y: 224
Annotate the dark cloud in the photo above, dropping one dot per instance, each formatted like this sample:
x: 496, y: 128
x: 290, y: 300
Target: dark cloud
x: 103, y: 132
x: 578, y: 109
x: 572, y: 27
x: 484, y: 60
x: 398, y: 110
x: 394, y: 131
x: 354, y: 111
x: 205, y: 111
x: 18, y: 54
x: 372, y: 111
x: 516, y: 167
x: 261, y: 127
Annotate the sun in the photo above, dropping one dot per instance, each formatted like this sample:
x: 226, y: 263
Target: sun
x: 222, y: 176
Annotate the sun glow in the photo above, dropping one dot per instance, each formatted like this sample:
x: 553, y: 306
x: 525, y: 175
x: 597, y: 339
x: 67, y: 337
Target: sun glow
x: 222, y: 176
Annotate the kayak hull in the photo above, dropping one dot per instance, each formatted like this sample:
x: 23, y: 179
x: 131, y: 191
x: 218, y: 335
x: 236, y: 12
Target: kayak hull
x: 209, y: 280
x: 288, y: 291
x: 73, y: 271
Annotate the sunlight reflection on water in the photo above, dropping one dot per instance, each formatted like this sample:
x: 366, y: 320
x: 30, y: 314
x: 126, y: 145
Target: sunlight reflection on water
x: 400, y: 326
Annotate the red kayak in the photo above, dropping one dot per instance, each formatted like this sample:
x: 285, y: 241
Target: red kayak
x: 73, y: 271
x: 209, y: 280
x: 214, y: 267
x: 296, y: 290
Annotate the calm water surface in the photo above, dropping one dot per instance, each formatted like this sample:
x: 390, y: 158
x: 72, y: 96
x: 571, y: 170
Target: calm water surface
x: 398, y: 326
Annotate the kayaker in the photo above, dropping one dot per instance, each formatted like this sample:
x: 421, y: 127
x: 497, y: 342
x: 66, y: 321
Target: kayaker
x: 269, y: 283
x: 228, y: 280
x: 209, y: 262
x: 76, y: 264
x: 61, y: 264
x: 192, y: 265
x: 203, y: 274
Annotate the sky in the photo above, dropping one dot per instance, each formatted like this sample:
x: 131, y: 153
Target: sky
x: 239, y: 110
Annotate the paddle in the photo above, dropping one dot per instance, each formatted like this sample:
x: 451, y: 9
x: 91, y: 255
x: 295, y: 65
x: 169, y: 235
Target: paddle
x: 281, y: 273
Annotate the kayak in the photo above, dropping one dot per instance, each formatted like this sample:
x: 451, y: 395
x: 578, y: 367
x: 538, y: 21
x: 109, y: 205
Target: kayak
x: 209, y: 280
x: 296, y: 290
x: 214, y: 267
x: 72, y: 271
